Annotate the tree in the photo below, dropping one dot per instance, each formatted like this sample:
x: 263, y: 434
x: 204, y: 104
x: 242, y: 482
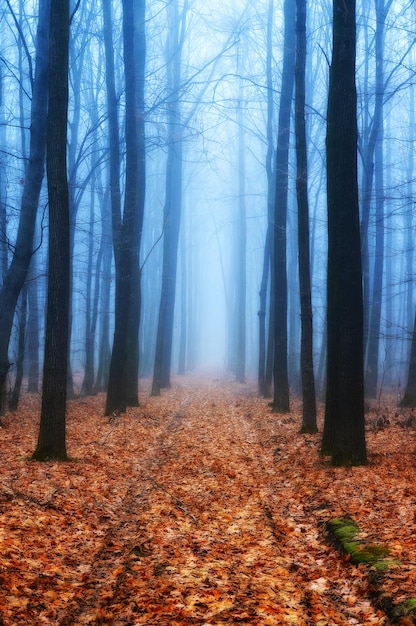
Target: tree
x: 373, y: 171
x: 344, y: 433
x: 306, y: 356
x: 266, y: 348
x: 15, y: 277
x: 122, y: 385
x: 173, y: 199
x: 52, y: 436
x: 280, y: 374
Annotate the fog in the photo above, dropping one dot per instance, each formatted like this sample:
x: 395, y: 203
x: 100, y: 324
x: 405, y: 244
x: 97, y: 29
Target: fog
x: 207, y: 105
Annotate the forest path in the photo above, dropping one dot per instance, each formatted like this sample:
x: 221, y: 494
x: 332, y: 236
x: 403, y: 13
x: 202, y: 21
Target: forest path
x: 217, y: 525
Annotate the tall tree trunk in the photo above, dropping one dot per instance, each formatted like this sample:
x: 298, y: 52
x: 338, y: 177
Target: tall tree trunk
x: 124, y: 367
x: 173, y: 202
x: 280, y: 370
x: 52, y: 438
x: 344, y: 434
x: 124, y: 356
x: 374, y: 313
x: 241, y: 247
x: 17, y: 271
x: 264, y: 379
x: 306, y: 355
x: 138, y: 114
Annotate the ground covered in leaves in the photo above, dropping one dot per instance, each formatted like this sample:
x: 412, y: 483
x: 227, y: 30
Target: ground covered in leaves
x: 200, y: 507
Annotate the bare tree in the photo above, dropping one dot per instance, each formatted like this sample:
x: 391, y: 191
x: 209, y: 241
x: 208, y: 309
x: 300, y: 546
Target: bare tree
x: 306, y: 355
x: 280, y: 372
x: 344, y: 434
x: 15, y: 276
x: 52, y: 431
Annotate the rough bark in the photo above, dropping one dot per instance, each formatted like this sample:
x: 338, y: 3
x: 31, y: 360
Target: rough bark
x: 344, y: 434
x: 52, y: 437
x: 17, y: 271
x: 306, y: 355
x: 280, y: 368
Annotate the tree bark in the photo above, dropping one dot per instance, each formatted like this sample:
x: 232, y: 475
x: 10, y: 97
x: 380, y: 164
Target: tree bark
x: 17, y: 271
x: 123, y: 376
x: 344, y: 434
x: 52, y: 438
x: 306, y: 356
x: 280, y: 369
x: 173, y: 204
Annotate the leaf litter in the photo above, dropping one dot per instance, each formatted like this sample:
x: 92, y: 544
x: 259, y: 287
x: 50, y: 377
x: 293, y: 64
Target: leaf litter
x: 198, y: 507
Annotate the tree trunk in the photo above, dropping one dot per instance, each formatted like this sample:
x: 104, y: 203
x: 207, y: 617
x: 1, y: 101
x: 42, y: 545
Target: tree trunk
x: 17, y: 271
x: 21, y: 337
x: 123, y: 377
x: 306, y: 356
x: 344, y: 434
x: 280, y: 373
x: 51, y: 441
x: 172, y: 208
x: 374, y: 322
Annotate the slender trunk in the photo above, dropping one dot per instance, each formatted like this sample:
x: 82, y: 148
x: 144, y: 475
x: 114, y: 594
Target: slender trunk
x: 280, y: 368
x: 306, y: 356
x: 16, y: 273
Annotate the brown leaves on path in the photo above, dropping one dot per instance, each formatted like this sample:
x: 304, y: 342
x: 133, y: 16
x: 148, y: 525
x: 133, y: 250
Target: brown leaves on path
x: 199, y: 507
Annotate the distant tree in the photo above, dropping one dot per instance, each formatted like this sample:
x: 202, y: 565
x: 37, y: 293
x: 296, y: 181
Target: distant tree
x: 52, y: 431
x: 265, y: 333
x: 240, y: 288
x: 16, y: 273
x: 280, y: 369
x: 173, y: 198
x: 373, y: 173
x: 344, y: 433
x: 306, y: 355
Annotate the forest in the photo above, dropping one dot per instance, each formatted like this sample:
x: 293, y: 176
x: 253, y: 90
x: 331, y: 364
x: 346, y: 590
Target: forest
x: 207, y: 312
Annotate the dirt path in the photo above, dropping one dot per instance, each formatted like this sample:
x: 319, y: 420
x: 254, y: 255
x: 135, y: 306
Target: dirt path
x: 212, y: 529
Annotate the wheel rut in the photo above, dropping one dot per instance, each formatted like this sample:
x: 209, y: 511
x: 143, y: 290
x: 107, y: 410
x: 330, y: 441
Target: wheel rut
x: 212, y: 531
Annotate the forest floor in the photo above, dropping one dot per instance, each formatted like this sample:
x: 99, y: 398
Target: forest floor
x: 201, y: 507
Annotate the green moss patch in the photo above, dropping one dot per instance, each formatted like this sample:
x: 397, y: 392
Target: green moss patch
x: 408, y: 608
x: 344, y: 532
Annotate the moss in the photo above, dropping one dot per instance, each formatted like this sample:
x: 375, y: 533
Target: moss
x: 409, y: 607
x: 369, y: 554
x: 344, y: 530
